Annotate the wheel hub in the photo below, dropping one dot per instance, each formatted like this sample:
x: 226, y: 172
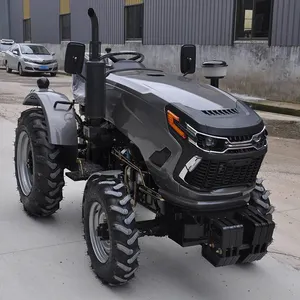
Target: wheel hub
x: 99, y: 234
x: 25, y: 166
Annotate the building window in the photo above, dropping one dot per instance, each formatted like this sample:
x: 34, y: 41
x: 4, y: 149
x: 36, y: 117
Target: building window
x: 27, y: 30
x: 134, y: 18
x: 253, y: 19
x: 65, y: 27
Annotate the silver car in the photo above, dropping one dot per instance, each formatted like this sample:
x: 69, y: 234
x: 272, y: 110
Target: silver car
x: 30, y: 58
x: 5, y: 44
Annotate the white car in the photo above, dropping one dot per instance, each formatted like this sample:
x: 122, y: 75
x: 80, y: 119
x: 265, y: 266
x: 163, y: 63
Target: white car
x: 30, y: 58
x: 5, y: 44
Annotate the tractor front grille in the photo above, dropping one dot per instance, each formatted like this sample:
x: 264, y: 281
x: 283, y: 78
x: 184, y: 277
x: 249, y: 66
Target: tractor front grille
x: 215, y: 174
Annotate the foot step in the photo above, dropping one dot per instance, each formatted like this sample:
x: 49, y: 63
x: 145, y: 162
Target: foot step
x: 85, y: 170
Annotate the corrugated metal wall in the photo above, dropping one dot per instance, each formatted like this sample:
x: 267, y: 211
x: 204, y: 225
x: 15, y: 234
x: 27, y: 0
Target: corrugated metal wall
x: 44, y: 21
x: 203, y: 22
x: 16, y: 20
x: 286, y: 23
x: 111, y: 20
x: 4, y: 19
x: 80, y: 26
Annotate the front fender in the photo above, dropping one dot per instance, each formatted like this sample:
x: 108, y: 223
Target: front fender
x: 61, y: 122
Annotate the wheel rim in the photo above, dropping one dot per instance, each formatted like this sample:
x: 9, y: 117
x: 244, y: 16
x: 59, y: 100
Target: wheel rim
x: 100, y: 244
x: 25, y: 163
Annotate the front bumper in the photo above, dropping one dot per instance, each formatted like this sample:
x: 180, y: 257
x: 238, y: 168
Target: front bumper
x: 219, y: 200
x: 41, y: 68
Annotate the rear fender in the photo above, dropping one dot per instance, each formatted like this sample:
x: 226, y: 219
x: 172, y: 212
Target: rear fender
x: 60, y: 117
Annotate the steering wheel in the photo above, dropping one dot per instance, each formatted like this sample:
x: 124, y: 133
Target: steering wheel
x: 139, y: 57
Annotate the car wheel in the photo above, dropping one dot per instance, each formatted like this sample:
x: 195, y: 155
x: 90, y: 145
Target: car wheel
x: 20, y: 69
x: 8, y: 70
x: 53, y: 74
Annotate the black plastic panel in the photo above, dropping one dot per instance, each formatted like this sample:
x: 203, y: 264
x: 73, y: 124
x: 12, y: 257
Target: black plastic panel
x: 214, y: 174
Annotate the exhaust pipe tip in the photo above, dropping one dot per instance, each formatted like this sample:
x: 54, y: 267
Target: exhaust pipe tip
x: 91, y: 12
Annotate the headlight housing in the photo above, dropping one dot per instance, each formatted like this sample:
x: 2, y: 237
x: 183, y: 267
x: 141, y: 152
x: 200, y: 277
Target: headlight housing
x: 216, y: 144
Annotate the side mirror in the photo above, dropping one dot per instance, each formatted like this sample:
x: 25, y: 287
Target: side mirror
x: 52, y: 53
x: 15, y: 52
x: 188, y: 59
x: 74, y: 58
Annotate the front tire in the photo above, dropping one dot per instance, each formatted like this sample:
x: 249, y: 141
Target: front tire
x: 260, y: 199
x: 39, y: 174
x: 110, y: 231
x: 20, y: 70
x: 8, y: 70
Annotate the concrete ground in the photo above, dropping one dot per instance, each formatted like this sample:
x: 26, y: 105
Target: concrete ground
x: 47, y: 258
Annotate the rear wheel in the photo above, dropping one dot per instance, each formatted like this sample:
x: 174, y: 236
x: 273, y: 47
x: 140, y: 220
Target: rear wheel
x: 39, y: 174
x: 110, y: 231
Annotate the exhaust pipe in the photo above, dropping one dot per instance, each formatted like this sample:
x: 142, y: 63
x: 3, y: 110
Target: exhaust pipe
x: 94, y: 44
x: 95, y: 102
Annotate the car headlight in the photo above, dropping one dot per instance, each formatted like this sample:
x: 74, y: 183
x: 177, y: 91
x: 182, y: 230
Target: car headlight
x: 28, y: 60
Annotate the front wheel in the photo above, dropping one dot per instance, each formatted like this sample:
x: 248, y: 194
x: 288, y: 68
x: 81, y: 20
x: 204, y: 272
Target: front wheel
x: 38, y: 171
x: 20, y: 69
x: 260, y: 199
x: 109, y: 230
x: 8, y: 70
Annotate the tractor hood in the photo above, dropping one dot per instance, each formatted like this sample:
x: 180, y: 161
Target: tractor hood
x: 178, y: 89
x: 211, y: 110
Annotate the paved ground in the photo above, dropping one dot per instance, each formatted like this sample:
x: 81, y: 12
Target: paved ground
x: 47, y: 259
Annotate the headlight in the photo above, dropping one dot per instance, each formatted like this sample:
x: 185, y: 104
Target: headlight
x: 209, y: 143
x: 28, y: 60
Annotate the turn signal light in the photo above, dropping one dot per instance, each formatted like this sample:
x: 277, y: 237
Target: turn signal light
x: 171, y: 120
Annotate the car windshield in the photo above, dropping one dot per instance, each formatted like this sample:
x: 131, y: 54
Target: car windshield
x: 5, y: 47
x: 34, y: 49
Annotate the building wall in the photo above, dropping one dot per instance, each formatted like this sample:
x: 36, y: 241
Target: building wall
x: 44, y: 21
x: 16, y: 20
x: 111, y: 20
x: 255, y: 68
x: 202, y: 22
x: 286, y: 23
x: 4, y: 19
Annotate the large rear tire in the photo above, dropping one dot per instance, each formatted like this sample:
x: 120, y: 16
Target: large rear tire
x: 109, y: 229
x: 39, y: 175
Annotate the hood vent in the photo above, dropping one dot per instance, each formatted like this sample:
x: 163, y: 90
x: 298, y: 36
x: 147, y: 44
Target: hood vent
x: 221, y: 112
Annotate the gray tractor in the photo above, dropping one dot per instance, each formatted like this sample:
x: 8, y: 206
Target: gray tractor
x: 189, y: 153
